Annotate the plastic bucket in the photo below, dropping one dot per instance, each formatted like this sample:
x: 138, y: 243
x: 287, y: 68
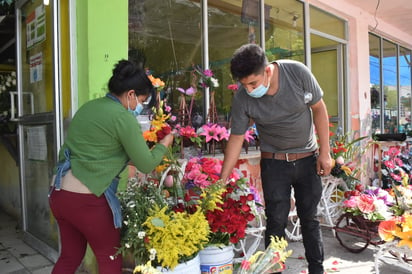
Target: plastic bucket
x: 216, y: 260
x: 189, y: 267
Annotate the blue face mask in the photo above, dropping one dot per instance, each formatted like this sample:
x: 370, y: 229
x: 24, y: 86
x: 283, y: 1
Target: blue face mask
x: 138, y: 109
x: 259, y: 91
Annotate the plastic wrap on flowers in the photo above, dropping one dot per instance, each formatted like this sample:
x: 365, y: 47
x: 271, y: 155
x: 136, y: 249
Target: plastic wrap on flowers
x: 271, y: 260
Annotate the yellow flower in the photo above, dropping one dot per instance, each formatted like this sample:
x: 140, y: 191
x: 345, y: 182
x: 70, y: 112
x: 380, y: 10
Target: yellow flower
x: 347, y: 170
x: 176, y: 235
x: 405, y: 238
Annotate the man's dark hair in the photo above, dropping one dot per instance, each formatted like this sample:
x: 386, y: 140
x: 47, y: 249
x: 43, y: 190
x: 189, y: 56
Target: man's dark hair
x: 247, y: 60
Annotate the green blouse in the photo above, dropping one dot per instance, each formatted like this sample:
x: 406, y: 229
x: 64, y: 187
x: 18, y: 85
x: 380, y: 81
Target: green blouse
x: 102, y: 137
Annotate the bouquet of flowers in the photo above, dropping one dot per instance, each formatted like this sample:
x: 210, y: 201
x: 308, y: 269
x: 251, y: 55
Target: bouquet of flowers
x: 158, y: 226
x: 237, y: 205
x: 343, y: 152
x: 268, y: 261
x: 372, y: 204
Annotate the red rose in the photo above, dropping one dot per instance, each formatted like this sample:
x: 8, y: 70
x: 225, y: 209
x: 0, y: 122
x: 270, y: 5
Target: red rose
x: 165, y: 130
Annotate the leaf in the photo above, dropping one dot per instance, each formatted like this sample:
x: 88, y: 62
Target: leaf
x: 158, y: 222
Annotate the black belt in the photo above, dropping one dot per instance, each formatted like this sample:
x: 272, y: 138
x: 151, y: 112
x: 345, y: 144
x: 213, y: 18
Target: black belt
x: 289, y: 157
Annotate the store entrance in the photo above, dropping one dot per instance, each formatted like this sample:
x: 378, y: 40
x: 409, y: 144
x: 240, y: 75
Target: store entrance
x: 36, y: 120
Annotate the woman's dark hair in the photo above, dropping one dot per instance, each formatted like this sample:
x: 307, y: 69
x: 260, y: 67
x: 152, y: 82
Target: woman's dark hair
x: 247, y: 60
x: 126, y: 76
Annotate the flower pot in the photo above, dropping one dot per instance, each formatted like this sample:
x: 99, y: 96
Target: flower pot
x: 190, y: 267
x: 216, y: 260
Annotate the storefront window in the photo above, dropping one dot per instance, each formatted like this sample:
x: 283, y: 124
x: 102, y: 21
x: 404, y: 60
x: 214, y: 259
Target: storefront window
x: 327, y: 23
x: 166, y: 38
x: 284, y: 30
x: 405, y: 90
x: 390, y: 92
x: 390, y: 72
x: 375, y: 79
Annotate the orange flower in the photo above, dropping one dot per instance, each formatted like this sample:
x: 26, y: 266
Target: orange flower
x: 150, y: 135
x: 156, y: 81
x: 405, y: 238
x: 387, y: 229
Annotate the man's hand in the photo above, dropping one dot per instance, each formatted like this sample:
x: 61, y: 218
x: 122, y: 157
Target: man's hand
x: 324, y: 164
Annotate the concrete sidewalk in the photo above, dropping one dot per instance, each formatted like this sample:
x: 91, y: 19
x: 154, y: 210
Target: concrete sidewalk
x: 338, y: 259
x: 16, y: 257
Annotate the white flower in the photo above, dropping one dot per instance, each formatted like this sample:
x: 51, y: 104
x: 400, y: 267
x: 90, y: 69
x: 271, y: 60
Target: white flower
x: 152, y: 252
x: 215, y: 82
x: 111, y: 257
x: 141, y: 234
x: 126, y: 222
x: 127, y: 245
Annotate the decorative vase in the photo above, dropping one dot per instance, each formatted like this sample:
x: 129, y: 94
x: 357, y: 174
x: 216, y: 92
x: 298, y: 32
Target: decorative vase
x: 215, y: 259
x: 190, y: 267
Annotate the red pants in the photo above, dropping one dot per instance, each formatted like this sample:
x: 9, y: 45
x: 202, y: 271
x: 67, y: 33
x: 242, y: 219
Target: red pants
x: 82, y: 219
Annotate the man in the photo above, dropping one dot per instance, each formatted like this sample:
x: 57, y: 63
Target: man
x: 284, y: 100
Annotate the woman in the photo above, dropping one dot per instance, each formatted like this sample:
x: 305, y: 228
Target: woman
x: 103, y: 137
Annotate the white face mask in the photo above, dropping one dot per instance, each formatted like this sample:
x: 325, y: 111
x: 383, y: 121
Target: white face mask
x: 137, y: 110
x: 259, y: 91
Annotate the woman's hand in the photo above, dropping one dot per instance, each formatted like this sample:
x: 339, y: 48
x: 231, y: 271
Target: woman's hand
x: 167, y: 140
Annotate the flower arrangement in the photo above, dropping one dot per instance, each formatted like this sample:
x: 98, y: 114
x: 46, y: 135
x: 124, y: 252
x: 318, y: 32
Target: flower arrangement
x: 344, y: 151
x: 399, y: 227
x: 268, y: 261
x: 373, y: 203
x: 238, y: 204
x: 395, y: 167
x: 156, y: 227
x: 403, y: 199
x: 206, y: 79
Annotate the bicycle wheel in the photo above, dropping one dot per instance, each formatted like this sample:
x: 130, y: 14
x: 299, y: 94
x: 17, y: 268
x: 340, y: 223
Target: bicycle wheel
x: 352, y: 233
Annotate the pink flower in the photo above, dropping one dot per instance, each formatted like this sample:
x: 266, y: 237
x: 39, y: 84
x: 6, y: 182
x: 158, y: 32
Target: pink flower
x: 352, y: 202
x: 365, y: 203
x: 208, y: 73
x: 340, y: 160
x: 398, y: 162
x: 248, y: 136
x: 189, y: 91
x: 245, y: 265
x: 210, y: 132
x: 222, y: 133
x: 396, y: 177
x: 389, y: 164
x: 187, y: 131
x: 233, y: 87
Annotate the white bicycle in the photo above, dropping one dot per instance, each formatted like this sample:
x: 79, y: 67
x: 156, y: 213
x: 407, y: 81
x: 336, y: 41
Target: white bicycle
x: 329, y: 208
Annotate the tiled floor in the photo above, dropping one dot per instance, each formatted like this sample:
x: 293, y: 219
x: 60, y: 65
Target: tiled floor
x: 16, y: 257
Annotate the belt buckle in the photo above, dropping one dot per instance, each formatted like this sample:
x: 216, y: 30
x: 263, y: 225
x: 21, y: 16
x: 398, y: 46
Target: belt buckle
x: 287, y: 158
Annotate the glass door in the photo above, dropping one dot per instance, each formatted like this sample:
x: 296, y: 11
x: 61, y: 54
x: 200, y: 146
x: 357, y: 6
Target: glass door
x: 37, y: 122
x: 327, y: 66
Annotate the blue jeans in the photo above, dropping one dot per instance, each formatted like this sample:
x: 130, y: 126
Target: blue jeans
x: 278, y: 176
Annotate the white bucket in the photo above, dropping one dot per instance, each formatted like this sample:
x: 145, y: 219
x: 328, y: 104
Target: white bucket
x: 189, y: 267
x: 216, y: 260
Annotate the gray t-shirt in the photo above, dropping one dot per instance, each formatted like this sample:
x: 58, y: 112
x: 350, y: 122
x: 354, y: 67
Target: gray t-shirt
x: 284, y: 120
